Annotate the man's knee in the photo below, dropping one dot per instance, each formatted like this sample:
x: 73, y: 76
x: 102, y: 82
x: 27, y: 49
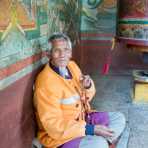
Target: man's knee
x: 118, y: 117
x: 117, y: 124
x: 94, y: 142
x: 121, y: 118
x: 102, y: 142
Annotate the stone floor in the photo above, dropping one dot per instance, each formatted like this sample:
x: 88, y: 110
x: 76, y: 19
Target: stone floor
x: 114, y: 94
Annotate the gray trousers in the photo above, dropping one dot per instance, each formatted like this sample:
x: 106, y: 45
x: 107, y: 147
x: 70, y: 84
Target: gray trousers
x: 116, y: 123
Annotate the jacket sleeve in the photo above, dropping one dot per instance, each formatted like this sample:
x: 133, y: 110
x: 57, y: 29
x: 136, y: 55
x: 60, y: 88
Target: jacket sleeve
x: 51, y: 118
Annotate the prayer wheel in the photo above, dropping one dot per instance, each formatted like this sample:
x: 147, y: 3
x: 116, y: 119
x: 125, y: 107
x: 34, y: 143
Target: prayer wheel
x: 133, y: 23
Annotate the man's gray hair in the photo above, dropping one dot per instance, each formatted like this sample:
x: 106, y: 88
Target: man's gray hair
x: 58, y: 36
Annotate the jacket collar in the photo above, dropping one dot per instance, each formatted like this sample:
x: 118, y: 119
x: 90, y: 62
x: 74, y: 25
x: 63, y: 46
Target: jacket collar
x: 57, y: 70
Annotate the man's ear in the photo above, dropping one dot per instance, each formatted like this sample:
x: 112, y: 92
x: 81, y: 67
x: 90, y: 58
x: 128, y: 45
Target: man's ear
x: 48, y: 54
x: 71, y: 56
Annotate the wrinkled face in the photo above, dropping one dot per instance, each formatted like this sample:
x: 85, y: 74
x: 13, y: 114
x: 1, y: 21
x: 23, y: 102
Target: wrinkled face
x: 61, y: 53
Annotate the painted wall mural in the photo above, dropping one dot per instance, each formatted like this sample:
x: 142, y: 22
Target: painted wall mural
x: 133, y: 19
x: 23, y: 12
x: 23, y: 29
x: 99, y: 16
x: 23, y: 38
x: 26, y: 15
x: 64, y: 16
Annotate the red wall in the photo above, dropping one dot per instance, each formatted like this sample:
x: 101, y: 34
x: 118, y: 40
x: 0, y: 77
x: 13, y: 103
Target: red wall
x: 92, y: 54
x: 16, y: 114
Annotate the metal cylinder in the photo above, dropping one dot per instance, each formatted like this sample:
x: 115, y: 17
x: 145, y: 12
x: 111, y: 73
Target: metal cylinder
x: 133, y: 21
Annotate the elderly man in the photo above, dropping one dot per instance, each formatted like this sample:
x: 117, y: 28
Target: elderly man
x: 61, y: 98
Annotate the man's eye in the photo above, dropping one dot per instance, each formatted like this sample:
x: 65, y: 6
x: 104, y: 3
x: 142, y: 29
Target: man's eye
x: 56, y: 50
x: 67, y: 50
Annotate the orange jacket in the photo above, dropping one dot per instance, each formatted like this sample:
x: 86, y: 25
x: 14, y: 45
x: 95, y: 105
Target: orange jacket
x: 58, y: 106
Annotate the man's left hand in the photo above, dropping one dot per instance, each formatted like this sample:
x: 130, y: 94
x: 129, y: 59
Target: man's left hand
x: 85, y: 81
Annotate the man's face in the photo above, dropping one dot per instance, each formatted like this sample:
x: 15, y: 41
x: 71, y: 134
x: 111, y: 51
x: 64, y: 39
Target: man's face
x: 61, y: 53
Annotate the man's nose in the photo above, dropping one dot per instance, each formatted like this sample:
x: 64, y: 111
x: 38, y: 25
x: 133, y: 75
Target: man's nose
x: 62, y: 53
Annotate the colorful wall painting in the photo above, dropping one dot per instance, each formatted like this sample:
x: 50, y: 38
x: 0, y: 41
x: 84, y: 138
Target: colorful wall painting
x: 25, y: 12
x: 29, y: 13
x: 28, y: 33
x: 65, y: 16
x: 99, y: 16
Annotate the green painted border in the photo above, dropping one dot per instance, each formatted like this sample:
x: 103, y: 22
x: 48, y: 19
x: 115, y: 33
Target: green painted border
x: 41, y: 19
x: 20, y: 74
x: 141, y: 22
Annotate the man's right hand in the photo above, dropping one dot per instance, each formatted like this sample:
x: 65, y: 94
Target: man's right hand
x: 104, y: 131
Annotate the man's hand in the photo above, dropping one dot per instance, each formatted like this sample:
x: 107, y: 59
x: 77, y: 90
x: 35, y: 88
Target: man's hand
x: 85, y: 81
x: 104, y: 131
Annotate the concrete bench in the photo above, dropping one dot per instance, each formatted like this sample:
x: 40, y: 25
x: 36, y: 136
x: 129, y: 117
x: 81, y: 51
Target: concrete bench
x: 36, y: 143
